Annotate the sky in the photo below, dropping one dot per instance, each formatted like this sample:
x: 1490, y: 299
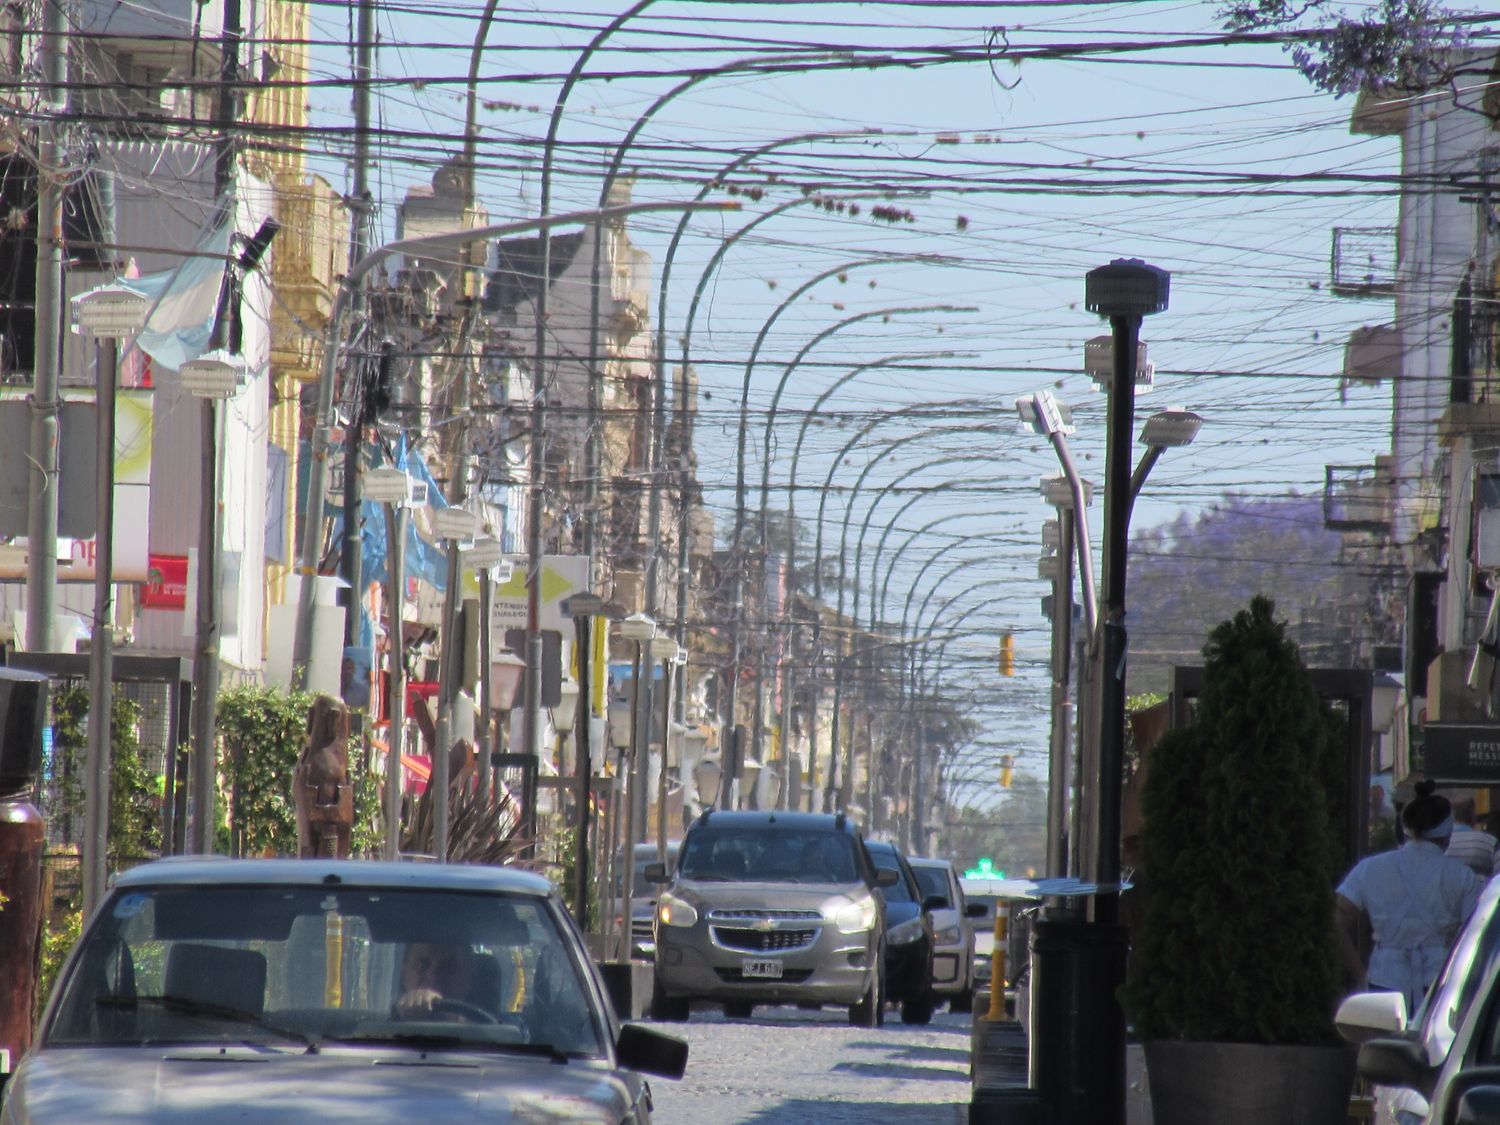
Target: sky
x: 1011, y: 177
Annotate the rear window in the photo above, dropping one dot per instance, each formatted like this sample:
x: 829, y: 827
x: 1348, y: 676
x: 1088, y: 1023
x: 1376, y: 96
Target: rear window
x: 933, y: 881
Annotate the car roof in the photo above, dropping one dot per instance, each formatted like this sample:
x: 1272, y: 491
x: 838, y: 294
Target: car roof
x: 883, y: 846
x: 218, y: 870
x: 828, y: 822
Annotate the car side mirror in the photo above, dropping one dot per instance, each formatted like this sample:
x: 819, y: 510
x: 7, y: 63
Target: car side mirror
x: 650, y: 1051
x: 1479, y: 1105
x: 1371, y: 1015
x: 885, y: 877
x: 656, y: 873
x: 1395, y: 1062
x: 976, y: 910
x: 934, y: 902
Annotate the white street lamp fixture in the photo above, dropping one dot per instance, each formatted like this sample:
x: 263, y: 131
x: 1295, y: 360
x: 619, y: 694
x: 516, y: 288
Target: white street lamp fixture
x: 1099, y: 364
x: 110, y: 310
x: 1046, y: 567
x: 485, y: 554
x: 1176, y: 426
x: 215, y: 374
x: 1055, y: 491
x: 506, y: 669
x: 565, y: 711
x: 666, y: 650
x: 1044, y: 414
x: 706, y: 777
x: 1051, y: 535
x: 385, y: 486
x: 637, y: 627
x: 456, y: 524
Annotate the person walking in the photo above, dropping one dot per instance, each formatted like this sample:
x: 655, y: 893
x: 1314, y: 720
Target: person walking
x: 1471, y: 845
x: 1415, y: 900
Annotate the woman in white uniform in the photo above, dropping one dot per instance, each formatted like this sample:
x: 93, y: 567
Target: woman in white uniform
x: 1415, y: 897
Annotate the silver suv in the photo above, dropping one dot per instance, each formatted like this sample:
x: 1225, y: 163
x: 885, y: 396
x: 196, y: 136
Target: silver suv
x: 770, y: 908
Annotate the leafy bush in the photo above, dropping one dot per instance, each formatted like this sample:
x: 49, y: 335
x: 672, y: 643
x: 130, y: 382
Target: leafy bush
x: 1237, y: 940
x: 133, y: 798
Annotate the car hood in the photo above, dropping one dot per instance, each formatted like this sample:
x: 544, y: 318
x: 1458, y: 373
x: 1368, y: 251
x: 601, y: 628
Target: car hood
x: 265, y: 1084
x: 769, y: 896
x: 898, y: 912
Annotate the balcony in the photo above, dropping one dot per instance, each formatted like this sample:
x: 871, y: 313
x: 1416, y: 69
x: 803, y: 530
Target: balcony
x: 1356, y: 498
x: 157, y: 35
x: 1364, y: 261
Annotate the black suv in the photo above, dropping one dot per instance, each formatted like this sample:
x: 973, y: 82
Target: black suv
x: 770, y: 908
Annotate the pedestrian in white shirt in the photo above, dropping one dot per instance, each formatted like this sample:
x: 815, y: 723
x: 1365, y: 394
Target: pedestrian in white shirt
x: 1470, y: 845
x: 1416, y: 899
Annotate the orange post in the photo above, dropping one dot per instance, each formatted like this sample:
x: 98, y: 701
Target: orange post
x: 997, y: 962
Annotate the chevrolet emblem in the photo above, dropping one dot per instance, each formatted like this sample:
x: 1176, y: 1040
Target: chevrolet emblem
x: 765, y: 926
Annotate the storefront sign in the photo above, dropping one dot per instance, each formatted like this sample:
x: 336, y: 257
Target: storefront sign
x: 1462, y: 753
x: 166, y: 583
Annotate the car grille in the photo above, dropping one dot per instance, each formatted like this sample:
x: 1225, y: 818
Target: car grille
x: 758, y: 914
x: 788, y: 976
x: 763, y: 941
x: 641, y: 927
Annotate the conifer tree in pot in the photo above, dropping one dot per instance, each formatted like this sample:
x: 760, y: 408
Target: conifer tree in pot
x: 1234, y: 973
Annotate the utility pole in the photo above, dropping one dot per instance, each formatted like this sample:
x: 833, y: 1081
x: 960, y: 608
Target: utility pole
x: 41, y: 522
x: 1059, y: 774
x: 206, y: 644
x: 359, y: 244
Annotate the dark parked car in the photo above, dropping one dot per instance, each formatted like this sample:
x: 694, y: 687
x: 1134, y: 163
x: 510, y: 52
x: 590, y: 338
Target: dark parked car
x: 908, y: 936
x: 207, y: 989
x: 770, y: 908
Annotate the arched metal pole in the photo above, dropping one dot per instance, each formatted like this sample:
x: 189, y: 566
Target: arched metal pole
x: 532, y: 697
x: 877, y: 606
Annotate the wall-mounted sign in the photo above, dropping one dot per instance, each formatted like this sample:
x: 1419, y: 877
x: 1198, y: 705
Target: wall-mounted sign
x: 1462, y: 753
x: 166, y: 582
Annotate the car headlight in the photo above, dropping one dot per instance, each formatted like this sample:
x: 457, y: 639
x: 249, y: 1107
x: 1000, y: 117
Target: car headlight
x: 906, y: 933
x: 672, y: 911
x: 856, y: 917
x: 948, y: 935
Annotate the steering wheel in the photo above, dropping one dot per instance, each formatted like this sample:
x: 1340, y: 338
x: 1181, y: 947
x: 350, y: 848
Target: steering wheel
x: 464, y: 1008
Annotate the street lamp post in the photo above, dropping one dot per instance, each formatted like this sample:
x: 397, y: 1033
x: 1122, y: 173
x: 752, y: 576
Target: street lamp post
x: 392, y: 488
x: 107, y: 313
x: 671, y: 655
x: 639, y: 629
x: 583, y: 608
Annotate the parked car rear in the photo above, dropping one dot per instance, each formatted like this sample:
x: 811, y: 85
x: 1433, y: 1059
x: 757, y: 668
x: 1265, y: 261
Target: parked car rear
x: 952, y: 932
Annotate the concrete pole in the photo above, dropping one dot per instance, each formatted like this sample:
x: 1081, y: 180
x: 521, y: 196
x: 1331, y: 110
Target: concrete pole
x: 1059, y: 784
x: 101, y: 644
x: 41, y: 524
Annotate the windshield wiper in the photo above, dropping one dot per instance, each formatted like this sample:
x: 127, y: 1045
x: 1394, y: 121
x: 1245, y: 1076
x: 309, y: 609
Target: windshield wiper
x: 466, y: 1043
x: 188, y: 1006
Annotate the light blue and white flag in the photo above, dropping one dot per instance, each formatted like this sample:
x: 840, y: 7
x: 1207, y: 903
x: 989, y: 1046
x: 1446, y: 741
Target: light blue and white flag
x: 180, y: 325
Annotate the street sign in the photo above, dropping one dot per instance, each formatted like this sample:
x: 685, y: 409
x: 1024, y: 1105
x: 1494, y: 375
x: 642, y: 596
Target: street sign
x: 561, y: 576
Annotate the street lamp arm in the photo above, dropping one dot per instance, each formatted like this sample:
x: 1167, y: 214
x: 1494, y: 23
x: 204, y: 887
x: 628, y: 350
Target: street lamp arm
x: 1081, y: 531
x: 1142, y: 471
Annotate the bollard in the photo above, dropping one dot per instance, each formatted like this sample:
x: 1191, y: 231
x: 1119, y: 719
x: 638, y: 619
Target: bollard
x: 997, y: 962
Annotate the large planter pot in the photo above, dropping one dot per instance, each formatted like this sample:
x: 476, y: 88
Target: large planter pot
x: 1248, y: 1083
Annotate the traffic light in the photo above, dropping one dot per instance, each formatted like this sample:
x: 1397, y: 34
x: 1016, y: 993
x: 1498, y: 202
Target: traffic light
x: 1007, y: 654
x: 1007, y: 767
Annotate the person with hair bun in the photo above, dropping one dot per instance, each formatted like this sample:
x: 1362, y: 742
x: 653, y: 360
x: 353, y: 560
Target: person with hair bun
x: 1416, y: 898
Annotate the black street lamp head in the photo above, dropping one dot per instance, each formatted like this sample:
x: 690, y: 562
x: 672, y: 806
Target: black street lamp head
x: 1126, y: 287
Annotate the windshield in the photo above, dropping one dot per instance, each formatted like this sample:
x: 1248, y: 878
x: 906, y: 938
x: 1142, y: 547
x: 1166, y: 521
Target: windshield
x: 933, y: 881
x: 768, y: 855
x: 901, y: 890
x: 193, y: 964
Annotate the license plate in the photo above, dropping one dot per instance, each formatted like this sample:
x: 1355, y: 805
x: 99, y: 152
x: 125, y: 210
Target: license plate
x: 771, y: 969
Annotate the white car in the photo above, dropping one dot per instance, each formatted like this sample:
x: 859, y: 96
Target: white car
x: 279, y: 991
x: 952, y: 932
x: 990, y: 893
x: 1435, y: 1026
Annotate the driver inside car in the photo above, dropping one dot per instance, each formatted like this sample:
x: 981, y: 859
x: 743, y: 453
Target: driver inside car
x: 439, y: 980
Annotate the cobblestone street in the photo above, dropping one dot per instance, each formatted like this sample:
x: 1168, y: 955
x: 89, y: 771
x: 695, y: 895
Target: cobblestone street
x: 792, y: 1067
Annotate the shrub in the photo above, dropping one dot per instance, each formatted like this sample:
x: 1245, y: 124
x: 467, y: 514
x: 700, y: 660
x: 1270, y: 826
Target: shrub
x: 1237, y: 942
